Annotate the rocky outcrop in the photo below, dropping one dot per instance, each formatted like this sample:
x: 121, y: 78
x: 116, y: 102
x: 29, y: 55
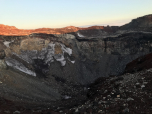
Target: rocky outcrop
x: 139, y: 64
x: 141, y: 23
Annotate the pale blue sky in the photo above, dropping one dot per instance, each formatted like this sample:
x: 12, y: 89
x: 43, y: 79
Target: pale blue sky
x: 31, y: 14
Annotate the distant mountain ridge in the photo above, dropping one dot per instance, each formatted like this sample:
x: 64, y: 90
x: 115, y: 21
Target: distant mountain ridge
x: 143, y: 23
x: 11, y: 30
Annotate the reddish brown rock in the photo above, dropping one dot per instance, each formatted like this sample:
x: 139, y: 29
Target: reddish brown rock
x: 13, y: 31
x: 141, y: 63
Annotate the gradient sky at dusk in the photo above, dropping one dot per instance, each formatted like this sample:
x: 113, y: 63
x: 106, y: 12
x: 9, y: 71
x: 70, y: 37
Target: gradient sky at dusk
x: 30, y: 14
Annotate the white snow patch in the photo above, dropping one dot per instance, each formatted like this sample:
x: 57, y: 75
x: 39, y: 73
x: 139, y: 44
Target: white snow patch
x: 73, y: 62
x: 80, y: 35
x: 65, y: 49
x: 70, y: 60
x: 6, y: 43
x: 67, y: 97
x: 15, y: 64
x: 47, y: 54
x: 61, y: 59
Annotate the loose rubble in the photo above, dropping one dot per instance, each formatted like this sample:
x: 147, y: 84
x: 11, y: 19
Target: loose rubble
x: 125, y: 94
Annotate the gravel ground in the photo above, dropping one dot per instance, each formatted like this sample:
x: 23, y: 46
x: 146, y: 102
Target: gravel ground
x: 125, y: 94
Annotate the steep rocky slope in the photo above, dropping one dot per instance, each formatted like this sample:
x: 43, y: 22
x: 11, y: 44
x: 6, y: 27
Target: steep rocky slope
x: 125, y: 94
x: 139, y: 64
x: 55, y: 69
x: 141, y: 24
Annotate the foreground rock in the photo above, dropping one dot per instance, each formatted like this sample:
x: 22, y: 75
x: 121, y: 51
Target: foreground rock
x: 139, y: 64
x: 125, y: 94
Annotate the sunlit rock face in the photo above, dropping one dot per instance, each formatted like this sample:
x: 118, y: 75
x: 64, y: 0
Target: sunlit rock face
x: 13, y: 31
x: 38, y: 53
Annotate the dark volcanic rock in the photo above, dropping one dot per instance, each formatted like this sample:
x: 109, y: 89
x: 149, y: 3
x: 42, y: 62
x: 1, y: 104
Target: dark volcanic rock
x: 141, y: 23
x: 139, y: 64
x: 65, y: 65
x: 54, y: 70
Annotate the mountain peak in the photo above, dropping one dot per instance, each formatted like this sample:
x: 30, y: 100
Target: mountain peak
x: 7, y: 27
x: 11, y: 30
x: 139, y: 23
